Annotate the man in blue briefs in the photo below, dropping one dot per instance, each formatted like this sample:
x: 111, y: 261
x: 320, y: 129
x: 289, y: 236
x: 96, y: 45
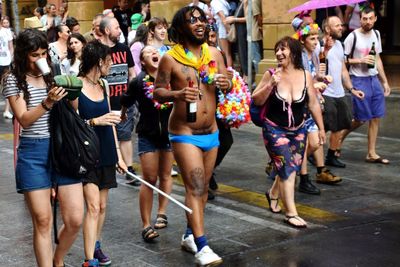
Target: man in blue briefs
x: 195, y: 144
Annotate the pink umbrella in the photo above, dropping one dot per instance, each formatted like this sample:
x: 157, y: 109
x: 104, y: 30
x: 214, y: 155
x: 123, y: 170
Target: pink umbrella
x: 317, y: 4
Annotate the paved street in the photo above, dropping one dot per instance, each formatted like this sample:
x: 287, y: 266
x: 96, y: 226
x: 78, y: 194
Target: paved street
x: 355, y: 223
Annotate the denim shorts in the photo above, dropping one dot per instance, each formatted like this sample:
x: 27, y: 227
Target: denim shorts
x: 310, y: 125
x: 125, y: 128
x: 373, y: 104
x: 145, y: 145
x: 33, y: 165
x: 33, y: 170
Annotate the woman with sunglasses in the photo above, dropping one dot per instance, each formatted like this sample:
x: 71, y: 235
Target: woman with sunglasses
x: 58, y: 49
x: 70, y: 65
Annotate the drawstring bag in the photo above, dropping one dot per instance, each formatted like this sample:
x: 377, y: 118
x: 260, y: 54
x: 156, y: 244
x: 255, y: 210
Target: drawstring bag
x: 71, y: 83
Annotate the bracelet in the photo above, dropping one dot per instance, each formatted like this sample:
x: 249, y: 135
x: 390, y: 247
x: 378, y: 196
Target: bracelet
x: 92, y: 123
x: 44, y: 106
x: 351, y: 89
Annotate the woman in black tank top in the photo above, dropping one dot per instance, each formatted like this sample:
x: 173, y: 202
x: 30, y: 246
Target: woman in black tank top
x: 287, y: 91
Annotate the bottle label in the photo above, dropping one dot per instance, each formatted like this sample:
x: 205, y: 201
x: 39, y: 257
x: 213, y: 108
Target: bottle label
x: 193, y: 107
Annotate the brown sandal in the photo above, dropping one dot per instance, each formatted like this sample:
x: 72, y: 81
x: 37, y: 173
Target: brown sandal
x: 161, y: 221
x: 149, y: 234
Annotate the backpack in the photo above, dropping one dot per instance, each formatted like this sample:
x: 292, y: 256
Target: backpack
x: 75, y: 147
x: 353, y: 47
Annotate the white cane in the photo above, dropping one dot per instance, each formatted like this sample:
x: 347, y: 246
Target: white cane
x: 159, y: 191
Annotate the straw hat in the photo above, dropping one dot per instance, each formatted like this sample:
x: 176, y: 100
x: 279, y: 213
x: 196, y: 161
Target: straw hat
x: 33, y: 23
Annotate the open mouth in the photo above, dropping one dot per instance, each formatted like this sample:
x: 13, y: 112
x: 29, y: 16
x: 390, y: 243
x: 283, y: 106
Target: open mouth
x: 200, y: 30
x: 154, y: 59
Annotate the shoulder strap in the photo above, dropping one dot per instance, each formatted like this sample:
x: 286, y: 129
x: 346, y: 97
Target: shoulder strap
x: 353, y: 47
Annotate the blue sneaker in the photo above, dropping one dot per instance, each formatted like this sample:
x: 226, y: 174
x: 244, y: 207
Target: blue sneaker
x: 91, y: 263
x: 102, y: 258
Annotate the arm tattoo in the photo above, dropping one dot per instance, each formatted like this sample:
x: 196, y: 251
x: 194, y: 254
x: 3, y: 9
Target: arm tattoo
x: 163, y: 79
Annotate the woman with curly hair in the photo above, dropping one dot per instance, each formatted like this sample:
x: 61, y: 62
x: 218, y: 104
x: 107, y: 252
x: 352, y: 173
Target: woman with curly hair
x: 31, y: 97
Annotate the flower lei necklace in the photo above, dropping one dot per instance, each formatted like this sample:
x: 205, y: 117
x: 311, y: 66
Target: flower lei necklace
x: 212, y: 69
x: 148, y: 87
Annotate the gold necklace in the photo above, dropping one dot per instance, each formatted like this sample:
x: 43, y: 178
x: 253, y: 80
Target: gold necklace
x: 91, y: 81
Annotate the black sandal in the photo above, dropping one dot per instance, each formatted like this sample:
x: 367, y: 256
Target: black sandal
x: 161, y: 221
x: 288, y: 222
x: 149, y: 234
x: 269, y: 199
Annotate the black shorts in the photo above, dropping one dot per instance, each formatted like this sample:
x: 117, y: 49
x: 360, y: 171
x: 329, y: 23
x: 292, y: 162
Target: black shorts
x: 337, y: 114
x: 104, y: 177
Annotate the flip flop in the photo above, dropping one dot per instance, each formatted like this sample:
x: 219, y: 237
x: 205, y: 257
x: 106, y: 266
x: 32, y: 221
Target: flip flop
x: 295, y: 217
x: 377, y: 160
x: 269, y: 199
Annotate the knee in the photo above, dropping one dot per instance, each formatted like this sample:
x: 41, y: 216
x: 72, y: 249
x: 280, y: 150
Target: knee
x: 103, y: 207
x: 198, y: 191
x: 93, y: 209
x: 313, y: 145
x: 42, y: 222
x: 74, y: 222
x: 151, y: 179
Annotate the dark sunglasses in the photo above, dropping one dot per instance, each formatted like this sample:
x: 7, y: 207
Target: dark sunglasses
x: 194, y: 19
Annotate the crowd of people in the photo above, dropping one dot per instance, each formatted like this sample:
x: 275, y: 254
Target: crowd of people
x: 132, y: 79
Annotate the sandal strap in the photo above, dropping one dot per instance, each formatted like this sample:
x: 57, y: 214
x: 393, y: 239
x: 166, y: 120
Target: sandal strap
x: 162, y: 216
x: 270, y: 196
x: 147, y: 231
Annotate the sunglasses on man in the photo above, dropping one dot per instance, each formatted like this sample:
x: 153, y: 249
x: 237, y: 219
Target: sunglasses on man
x: 194, y: 19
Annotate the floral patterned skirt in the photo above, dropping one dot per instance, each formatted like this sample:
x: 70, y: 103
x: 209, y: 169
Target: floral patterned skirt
x: 285, y: 147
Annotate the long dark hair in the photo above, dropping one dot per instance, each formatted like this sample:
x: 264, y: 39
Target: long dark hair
x: 91, y: 55
x: 28, y: 41
x: 295, y: 50
x: 70, y: 53
x: 176, y: 33
x: 142, y: 34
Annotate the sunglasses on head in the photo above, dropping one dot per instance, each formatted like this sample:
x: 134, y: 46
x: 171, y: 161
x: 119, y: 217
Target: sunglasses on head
x: 194, y: 19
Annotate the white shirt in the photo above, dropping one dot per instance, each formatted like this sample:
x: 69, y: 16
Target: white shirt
x: 362, y: 48
x: 5, y: 53
x: 335, y: 59
x: 202, y: 6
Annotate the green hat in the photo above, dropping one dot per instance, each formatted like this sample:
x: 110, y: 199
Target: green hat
x: 136, y: 20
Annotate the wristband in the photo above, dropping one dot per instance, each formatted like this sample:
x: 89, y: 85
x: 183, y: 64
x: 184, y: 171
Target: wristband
x: 44, y: 106
x: 92, y: 123
x: 351, y: 89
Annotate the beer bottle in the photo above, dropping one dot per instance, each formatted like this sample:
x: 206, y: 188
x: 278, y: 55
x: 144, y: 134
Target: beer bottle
x: 191, y: 108
x: 323, y: 59
x: 372, y: 52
